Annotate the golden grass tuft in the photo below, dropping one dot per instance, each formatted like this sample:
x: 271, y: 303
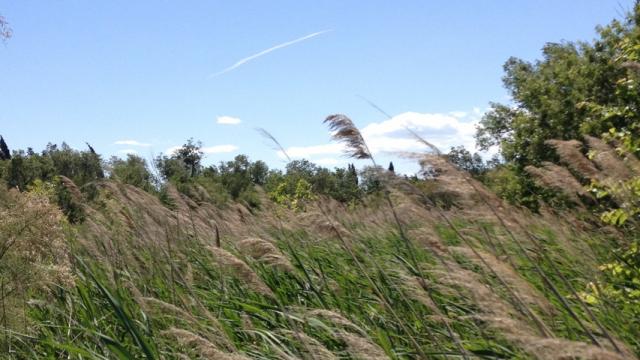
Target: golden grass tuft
x: 264, y: 252
x: 362, y: 348
x: 237, y: 268
x: 313, y: 349
x: 520, y: 286
x: 200, y: 345
x: 607, y: 160
x: 571, y: 156
x: 558, y: 178
x: 335, y: 318
x: 214, y: 333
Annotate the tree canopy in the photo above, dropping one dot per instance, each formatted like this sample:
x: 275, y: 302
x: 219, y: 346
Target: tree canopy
x: 561, y: 96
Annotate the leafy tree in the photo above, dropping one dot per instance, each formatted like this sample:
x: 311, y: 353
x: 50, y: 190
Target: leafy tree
x: 346, y: 187
x: 191, y: 155
x: 183, y: 164
x: 259, y: 171
x: 551, y: 96
x: 236, y: 175
x: 352, y: 172
x: 370, y: 179
x: 466, y: 161
x: 132, y: 171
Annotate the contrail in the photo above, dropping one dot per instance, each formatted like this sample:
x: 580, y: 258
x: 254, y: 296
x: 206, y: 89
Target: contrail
x: 264, y: 52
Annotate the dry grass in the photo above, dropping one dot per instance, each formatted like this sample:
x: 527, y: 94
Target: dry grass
x: 334, y: 318
x: 571, y: 155
x: 200, y: 345
x: 231, y: 265
x: 558, y: 178
x: 361, y: 348
x: 520, y: 286
x: 607, y: 160
x: 313, y: 349
x: 264, y: 252
x: 497, y: 314
x: 412, y: 286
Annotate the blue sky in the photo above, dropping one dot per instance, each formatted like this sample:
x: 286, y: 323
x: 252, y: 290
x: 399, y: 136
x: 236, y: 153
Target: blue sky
x: 145, y: 76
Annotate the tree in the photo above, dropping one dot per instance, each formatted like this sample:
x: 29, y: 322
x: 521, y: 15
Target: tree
x: 235, y: 175
x: 132, y: 171
x: 552, y: 96
x: 391, y: 168
x: 183, y: 164
x: 191, y: 155
x: 353, y: 173
x: 575, y: 89
x: 5, y: 154
x: 466, y: 161
x: 259, y: 171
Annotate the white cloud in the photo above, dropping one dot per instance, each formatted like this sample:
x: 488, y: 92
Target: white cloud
x: 132, y: 143
x: 217, y: 149
x: 228, y: 120
x: 442, y: 130
x: 389, y: 136
x: 266, y: 51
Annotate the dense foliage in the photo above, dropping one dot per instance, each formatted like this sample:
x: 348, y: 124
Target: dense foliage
x: 237, y: 179
x: 576, y: 89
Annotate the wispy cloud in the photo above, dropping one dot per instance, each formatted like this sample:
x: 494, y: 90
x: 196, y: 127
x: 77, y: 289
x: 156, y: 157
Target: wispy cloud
x: 132, y: 143
x: 228, y: 120
x: 266, y: 51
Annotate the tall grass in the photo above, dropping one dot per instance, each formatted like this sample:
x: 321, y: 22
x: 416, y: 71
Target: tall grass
x: 366, y: 290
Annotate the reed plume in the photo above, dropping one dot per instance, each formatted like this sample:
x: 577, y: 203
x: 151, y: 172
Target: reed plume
x: 346, y: 132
